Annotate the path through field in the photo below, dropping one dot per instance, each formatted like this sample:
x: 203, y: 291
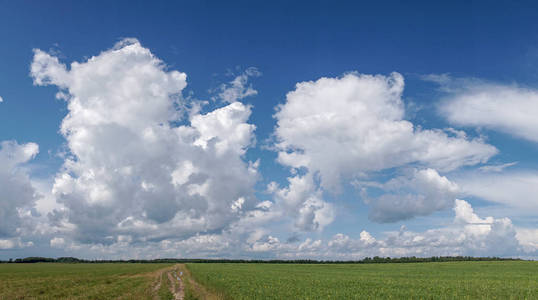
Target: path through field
x: 168, y: 284
x: 176, y: 284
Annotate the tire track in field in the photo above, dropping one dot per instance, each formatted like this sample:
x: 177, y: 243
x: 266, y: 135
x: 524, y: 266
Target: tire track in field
x: 179, y: 280
x: 176, y: 285
x: 157, y: 284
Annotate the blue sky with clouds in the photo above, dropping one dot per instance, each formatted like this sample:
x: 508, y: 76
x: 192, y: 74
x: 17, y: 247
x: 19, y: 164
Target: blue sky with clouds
x: 268, y: 129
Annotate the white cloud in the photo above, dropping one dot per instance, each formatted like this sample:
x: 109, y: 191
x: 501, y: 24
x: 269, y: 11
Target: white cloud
x: 343, y: 126
x: 1, y: 99
x: 302, y: 200
x: 468, y: 234
x: 57, y: 242
x: 465, y: 214
x: 14, y: 243
x: 508, y: 108
x: 516, y: 189
x: 227, y: 127
x: 130, y: 173
x: 420, y: 193
x: 238, y: 88
x: 339, y: 129
x: 136, y: 184
x: 528, y: 238
x: 7, y: 244
x: 17, y: 195
x: 496, y: 168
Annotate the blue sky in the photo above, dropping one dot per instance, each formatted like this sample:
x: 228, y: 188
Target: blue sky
x: 305, y: 144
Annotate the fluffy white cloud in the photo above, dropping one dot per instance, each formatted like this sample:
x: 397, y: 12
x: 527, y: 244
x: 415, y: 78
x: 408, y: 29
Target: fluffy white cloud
x: 420, y: 193
x: 302, y: 200
x: 17, y: 195
x: 343, y: 126
x: 145, y: 178
x: 347, y: 127
x: 131, y: 174
x: 467, y: 235
x: 14, y: 243
x: 508, y: 108
x: 528, y: 238
x: 238, y: 88
x: 1, y: 99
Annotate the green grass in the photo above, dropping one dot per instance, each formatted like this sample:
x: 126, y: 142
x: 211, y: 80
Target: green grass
x: 77, y: 281
x: 164, y: 290
x: 451, y: 280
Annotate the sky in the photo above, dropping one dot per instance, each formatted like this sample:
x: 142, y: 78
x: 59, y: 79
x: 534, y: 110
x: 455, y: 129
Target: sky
x: 284, y: 129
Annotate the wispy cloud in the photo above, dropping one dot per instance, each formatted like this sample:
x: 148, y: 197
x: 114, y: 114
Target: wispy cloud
x: 239, y: 87
x: 470, y: 102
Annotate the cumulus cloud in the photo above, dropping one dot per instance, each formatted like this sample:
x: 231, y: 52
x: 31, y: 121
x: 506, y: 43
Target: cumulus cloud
x: 17, y: 195
x: 131, y: 175
x: 507, y: 108
x: 528, y: 239
x: 57, y: 242
x: 302, y: 200
x: 467, y: 235
x: 14, y: 243
x: 418, y: 194
x: 341, y: 128
x: 143, y: 178
x: 239, y: 87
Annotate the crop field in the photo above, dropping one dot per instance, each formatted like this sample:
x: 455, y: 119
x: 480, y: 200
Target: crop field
x: 439, y: 280
x: 442, y: 280
x: 81, y: 281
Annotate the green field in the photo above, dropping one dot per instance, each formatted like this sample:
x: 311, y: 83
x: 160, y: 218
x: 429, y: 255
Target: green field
x: 447, y: 280
x: 439, y: 280
x: 80, y: 281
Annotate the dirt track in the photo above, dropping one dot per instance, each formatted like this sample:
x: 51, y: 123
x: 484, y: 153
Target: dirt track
x: 179, y: 277
x: 176, y: 284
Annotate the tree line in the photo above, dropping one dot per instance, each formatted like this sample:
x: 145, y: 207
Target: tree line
x: 366, y: 260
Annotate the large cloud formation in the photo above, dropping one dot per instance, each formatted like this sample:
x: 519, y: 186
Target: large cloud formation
x: 467, y: 234
x: 132, y: 174
x: 343, y: 128
x: 148, y: 174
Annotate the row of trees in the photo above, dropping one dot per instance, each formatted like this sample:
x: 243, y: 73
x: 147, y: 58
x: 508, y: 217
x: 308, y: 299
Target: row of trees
x: 367, y: 260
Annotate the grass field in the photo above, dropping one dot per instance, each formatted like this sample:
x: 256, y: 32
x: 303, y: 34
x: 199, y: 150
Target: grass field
x: 79, y: 281
x: 450, y: 280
